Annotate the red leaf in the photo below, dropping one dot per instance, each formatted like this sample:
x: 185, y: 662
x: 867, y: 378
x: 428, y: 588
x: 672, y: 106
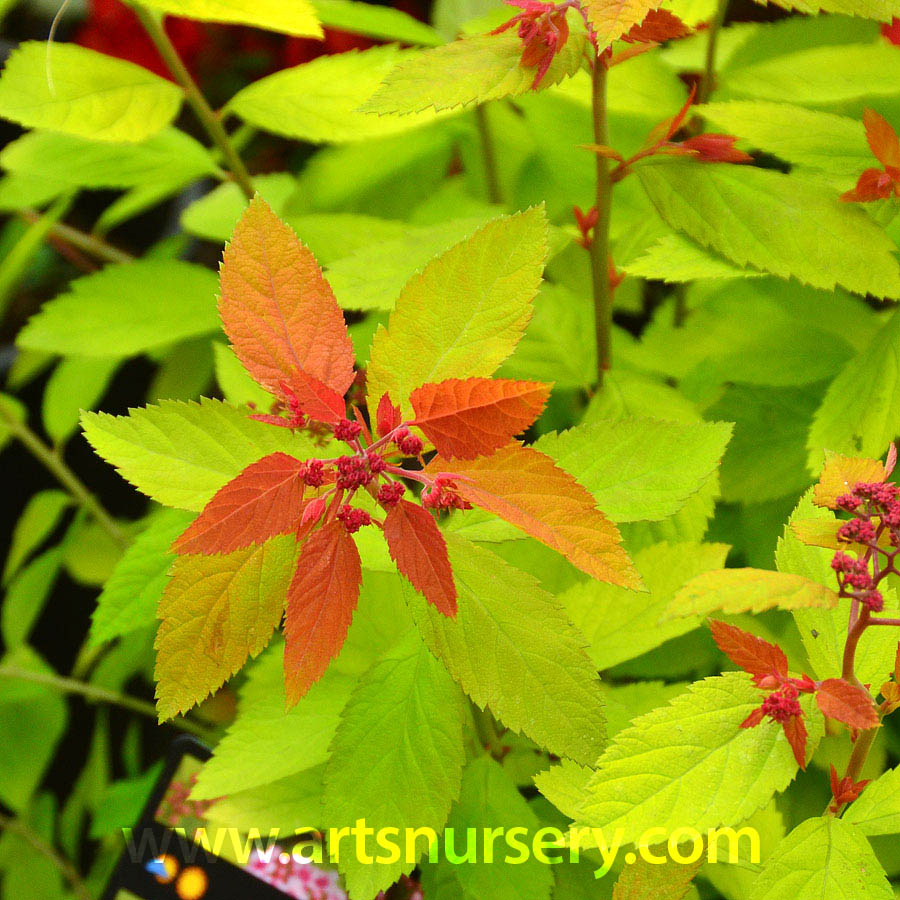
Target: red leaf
x: 664, y: 131
x: 320, y: 603
x: 716, y: 148
x: 418, y: 548
x: 751, y: 653
x: 848, y: 703
x: 658, y: 25
x: 264, y: 500
x: 315, y: 399
x: 795, y: 732
x: 873, y: 184
x: 476, y: 416
x: 882, y: 139
x: 388, y: 416
x: 277, y: 309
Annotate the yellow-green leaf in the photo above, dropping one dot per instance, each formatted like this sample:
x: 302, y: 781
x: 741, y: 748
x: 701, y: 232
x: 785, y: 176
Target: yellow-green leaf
x: 296, y: 17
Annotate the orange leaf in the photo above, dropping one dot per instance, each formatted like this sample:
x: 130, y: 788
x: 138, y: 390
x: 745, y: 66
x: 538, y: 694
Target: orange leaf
x: 317, y: 400
x: 264, y: 500
x: 751, y: 653
x: 882, y: 139
x: 387, y: 418
x: 277, y: 309
x: 320, y: 604
x: 418, y: 548
x: 840, y: 475
x: 476, y: 416
x: 795, y: 732
x: 657, y: 26
x: 846, y: 702
x: 528, y: 489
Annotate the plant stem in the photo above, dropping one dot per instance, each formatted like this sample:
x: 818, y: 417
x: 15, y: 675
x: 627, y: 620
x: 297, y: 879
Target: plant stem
x: 37, y: 843
x: 853, y: 635
x: 488, y: 156
x: 603, y: 298
x: 486, y: 729
x: 708, y: 82
x: 96, y: 247
x: 56, y: 465
x: 97, y: 694
x: 205, y: 113
x: 857, y: 760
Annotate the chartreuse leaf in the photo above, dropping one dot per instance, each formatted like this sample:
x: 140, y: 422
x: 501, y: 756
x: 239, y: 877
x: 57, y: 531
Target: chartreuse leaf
x: 512, y: 648
x: 77, y: 382
x: 215, y: 612
x: 824, y: 631
x: 397, y: 758
x: 296, y: 17
x: 639, y: 469
x: 382, y: 22
x: 107, y: 313
x: 131, y: 595
x: 464, y: 313
x: 823, y: 858
x: 182, y: 453
x: 237, y: 386
x: 877, y: 811
x: 775, y: 222
x: 676, y: 258
x: 91, y: 95
x: 470, y: 70
x: 677, y: 764
x: 621, y: 624
x: 171, y: 156
x: 858, y: 415
x: 613, y: 18
x: 667, y: 881
x: 320, y: 101
x: 41, y: 515
x: 882, y: 10
x: 490, y: 801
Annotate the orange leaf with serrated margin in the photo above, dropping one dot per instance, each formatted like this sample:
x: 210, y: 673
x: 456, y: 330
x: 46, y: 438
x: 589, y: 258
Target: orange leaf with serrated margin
x: 315, y: 399
x: 320, y: 604
x: 264, y: 500
x: 418, y: 548
x: 749, y: 652
x: 657, y: 26
x: 846, y: 702
x: 528, y: 489
x: 387, y: 418
x: 882, y: 138
x: 276, y: 307
x: 613, y: 18
x: 795, y: 732
x: 471, y: 417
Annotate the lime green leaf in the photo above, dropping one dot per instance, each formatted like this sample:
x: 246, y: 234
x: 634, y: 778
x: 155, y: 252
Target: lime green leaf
x: 676, y: 258
x: 881, y: 10
x: 774, y: 222
x: 397, y: 757
x: 170, y: 156
x: 320, y: 101
x: 130, y: 597
x: 676, y: 764
x: 107, y: 313
x: 40, y: 516
x: 465, y: 312
x: 381, y: 22
x: 236, y: 384
x: 511, y: 648
x: 822, y: 859
x: 621, y: 624
x: 91, y: 95
x: 91, y: 552
x: 215, y: 613
x: 858, y: 415
x: 639, y: 469
x: 182, y: 453
x: 877, y: 811
x: 625, y: 702
x: 77, y: 382
x: 634, y: 395
x: 296, y: 17
x: 26, y: 596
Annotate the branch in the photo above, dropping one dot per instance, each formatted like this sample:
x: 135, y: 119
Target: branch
x: 95, y: 246
x: 489, y: 156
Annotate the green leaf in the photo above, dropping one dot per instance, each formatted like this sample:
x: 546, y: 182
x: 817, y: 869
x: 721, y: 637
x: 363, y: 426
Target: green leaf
x: 76, y: 383
x: 512, y: 648
x: 107, y: 313
x: 180, y: 454
x: 824, y: 631
x: 489, y: 800
x: 470, y: 70
x: 774, y: 222
x: 881, y: 10
x: 236, y: 384
x: 26, y: 596
x: 320, y: 101
x: 822, y: 859
x: 296, y: 17
x: 621, y: 624
x: 859, y: 412
x: 677, y: 764
x: 170, y: 156
x: 130, y: 597
x: 89, y: 94
x: 877, y: 811
x: 383, y: 22
x: 40, y: 517
x: 465, y: 312
x: 676, y: 258
x: 396, y: 759
x: 25, y: 872
x: 639, y: 469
